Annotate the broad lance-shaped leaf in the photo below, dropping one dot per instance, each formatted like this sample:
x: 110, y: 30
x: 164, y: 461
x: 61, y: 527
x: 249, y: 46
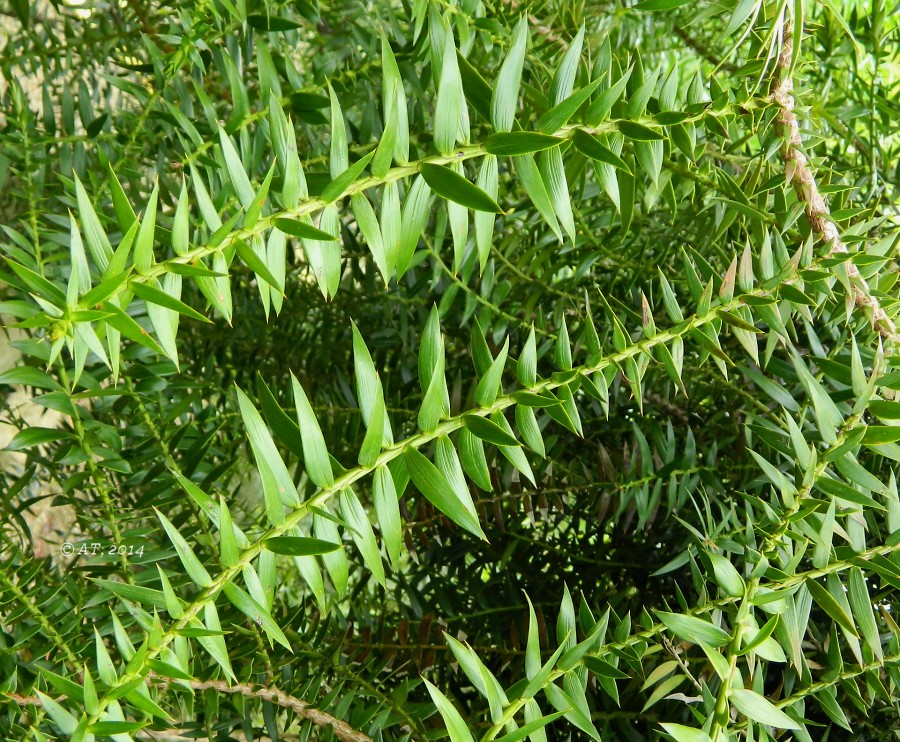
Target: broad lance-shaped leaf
x: 384, y: 152
x: 335, y: 561
x: 488, y: 431
x: 368, y: 385
x: 414, y: 218
x: 488, y: 181
x: 325, y: 257
x: 371, y: 446
x: 431, y: 349
x: 165, y: 321
x: 489, y: 385
x: 694, y: 630
x: 393, y: 84
x: 514, y: 454
x: 450, y: 105
x: 338, y: 157
x: 192, y: 565
x: 553, y: 173
x: 315, y: 453
x: 450, y: 185
x: 80, y: 275
x: 533, y: 183
x: 754, y: 706
x: 336, y: 187
x: 156, y: 295
x: 256, y: 613
x: 591, y: 147
x: 387, y: 509
x: 436, y: 402
x: 236, y: 172
x: 257, y: 263
x: 519, y: 143
x: 143, y: 245
x: 363, y: 535
x: 278, y: 487
x: 447, y: 463
x: 474, y: 462
x: 506, y: 88
x: 831, y: 606
x: 297, y: 228
x: 97, y: 241
x: 368, y: 224
x: 299, y: 546
x: 456, y: 725
x: 285, y: 143
x: 431, y: 483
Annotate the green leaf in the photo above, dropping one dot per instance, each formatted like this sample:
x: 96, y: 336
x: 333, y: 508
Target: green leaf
x: 29, y: 376
x: 528, y: 729
x: 505, y: 144
x: 682, y: 733
x: 878, y: 434
x: 489, y: 431
x: 363, y: 535
x: 506, y: 88
x: 534, y: 186
x: 297, y: 228
x: 278, y: 487
x: 136, y: 593
x: 335, y: 189
x: 456, y: 726
x: 299, y: 546
x: 192, y: 565
x: 97, y: 241
x: 474, y: 462
x: 591, y: 147
x: 256, y: 613
x: 143, y: 245
x: 315, y: 454
x: 754, y: 706
x: 158, y: 296
x: 112, y: 728
x: 236, y: 172
x: 257, y: 264
x: 639, y: 132
x: 66, y: 723
x: 489, y: 385
x: 649, y: 5
x: 271, y: 24
x: 694, y: 630
x: 828, y: 604
x: 36, y: 436
x: 454, y: 187
x: 558, y: 116
x: 431, y: 483
x: 450, y: 115
x: 861, y: 604
x: 371, y: 446
x: 387, y: 509
x: 728, y: 578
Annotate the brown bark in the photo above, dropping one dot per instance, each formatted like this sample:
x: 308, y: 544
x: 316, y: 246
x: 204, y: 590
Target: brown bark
x: 802, y: 179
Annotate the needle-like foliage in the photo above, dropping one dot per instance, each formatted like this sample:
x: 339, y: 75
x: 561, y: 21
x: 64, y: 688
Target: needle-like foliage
x: 450, y: 369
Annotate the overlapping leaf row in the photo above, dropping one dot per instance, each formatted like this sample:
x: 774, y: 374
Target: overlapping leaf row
x: 392, y: 238
x: 441, y: 483
x: 596, y: 659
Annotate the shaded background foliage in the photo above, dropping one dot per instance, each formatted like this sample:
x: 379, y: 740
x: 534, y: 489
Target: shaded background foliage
x: 666, y: 470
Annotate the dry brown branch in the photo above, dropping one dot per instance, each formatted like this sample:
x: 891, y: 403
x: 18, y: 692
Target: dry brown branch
x: 342, y: 730
x: 801, y: 177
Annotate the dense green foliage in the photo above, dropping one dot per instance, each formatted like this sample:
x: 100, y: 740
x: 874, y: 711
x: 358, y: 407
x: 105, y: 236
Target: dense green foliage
x: 457, y: 368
